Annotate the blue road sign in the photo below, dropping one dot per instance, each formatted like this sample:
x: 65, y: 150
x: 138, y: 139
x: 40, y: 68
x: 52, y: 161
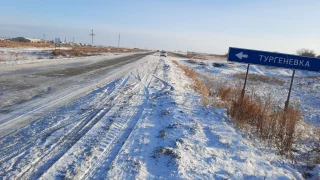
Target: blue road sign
x: 273, y: 59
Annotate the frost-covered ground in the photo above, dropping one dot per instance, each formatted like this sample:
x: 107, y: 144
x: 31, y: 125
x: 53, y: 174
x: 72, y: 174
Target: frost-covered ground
x: 139, y: 121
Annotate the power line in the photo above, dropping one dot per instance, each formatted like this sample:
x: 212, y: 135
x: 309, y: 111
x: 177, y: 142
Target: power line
x: 92, y: 36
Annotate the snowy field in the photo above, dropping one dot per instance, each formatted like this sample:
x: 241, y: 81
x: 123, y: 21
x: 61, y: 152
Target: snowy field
x: 306, y: 86
x: 142, y: 120
x: 26, y: 55
x: 35, y: 55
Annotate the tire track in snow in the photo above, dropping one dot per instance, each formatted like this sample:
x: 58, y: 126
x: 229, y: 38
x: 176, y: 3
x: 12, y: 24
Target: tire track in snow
x: 39, y: 164
x: 109, y: 135
x: 100, y: 166
x: 21, y: 144
x: 22, y: 117
x: 72, y: 137
x: 108, y: 173
x: 49, y: 156
x: 105, y: 161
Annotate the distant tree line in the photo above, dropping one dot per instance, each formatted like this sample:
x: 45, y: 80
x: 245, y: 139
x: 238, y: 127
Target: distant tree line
x: 307, y: 53
x: 20, y: 39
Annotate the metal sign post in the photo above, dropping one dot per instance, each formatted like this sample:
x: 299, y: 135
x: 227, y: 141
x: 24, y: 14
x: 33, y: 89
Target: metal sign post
x: 245, y: 82
x: 287, y: 61
x: 287, y: 102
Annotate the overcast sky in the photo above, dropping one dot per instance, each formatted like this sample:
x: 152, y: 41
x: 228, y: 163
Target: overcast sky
x: 206, y: 26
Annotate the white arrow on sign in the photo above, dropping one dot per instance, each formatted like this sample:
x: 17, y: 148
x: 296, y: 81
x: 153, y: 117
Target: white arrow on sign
x: 241, y: 55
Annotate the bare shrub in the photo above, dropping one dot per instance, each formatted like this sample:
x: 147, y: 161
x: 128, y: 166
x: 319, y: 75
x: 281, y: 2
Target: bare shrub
x: 224, y: 93
x: 167, y: 152
x: 277, y: 128
x: 77, y: 53
x: 287, y: 121
x: 306, y: 52
x: 59, y: 53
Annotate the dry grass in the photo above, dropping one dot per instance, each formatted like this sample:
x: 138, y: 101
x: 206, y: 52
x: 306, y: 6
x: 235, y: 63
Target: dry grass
x: 260, y: 78
x: 277, y: 128
x: 105, y: 49
x: 74, y: 51
x: 206, y: 56
x: 199, y: 85
x: 199, y: 56
x: 224, y: 93
x: 90, y: 51
x: 176, y: 55
x: 12, y: 44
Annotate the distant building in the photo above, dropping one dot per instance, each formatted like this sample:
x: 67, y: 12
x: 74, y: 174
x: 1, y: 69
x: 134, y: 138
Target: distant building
x: 34, y: 40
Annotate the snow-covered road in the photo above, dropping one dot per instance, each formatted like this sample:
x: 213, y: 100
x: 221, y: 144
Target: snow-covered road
x: 35, y: 87
x: 62, y: 119
x: 140, y: 121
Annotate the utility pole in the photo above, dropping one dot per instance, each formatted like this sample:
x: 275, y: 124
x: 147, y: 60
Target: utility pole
x: 73, y: 40
x: 65, y: 39
x: 119, y: 41
x: 92, y: 36
x: 44, y: 37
